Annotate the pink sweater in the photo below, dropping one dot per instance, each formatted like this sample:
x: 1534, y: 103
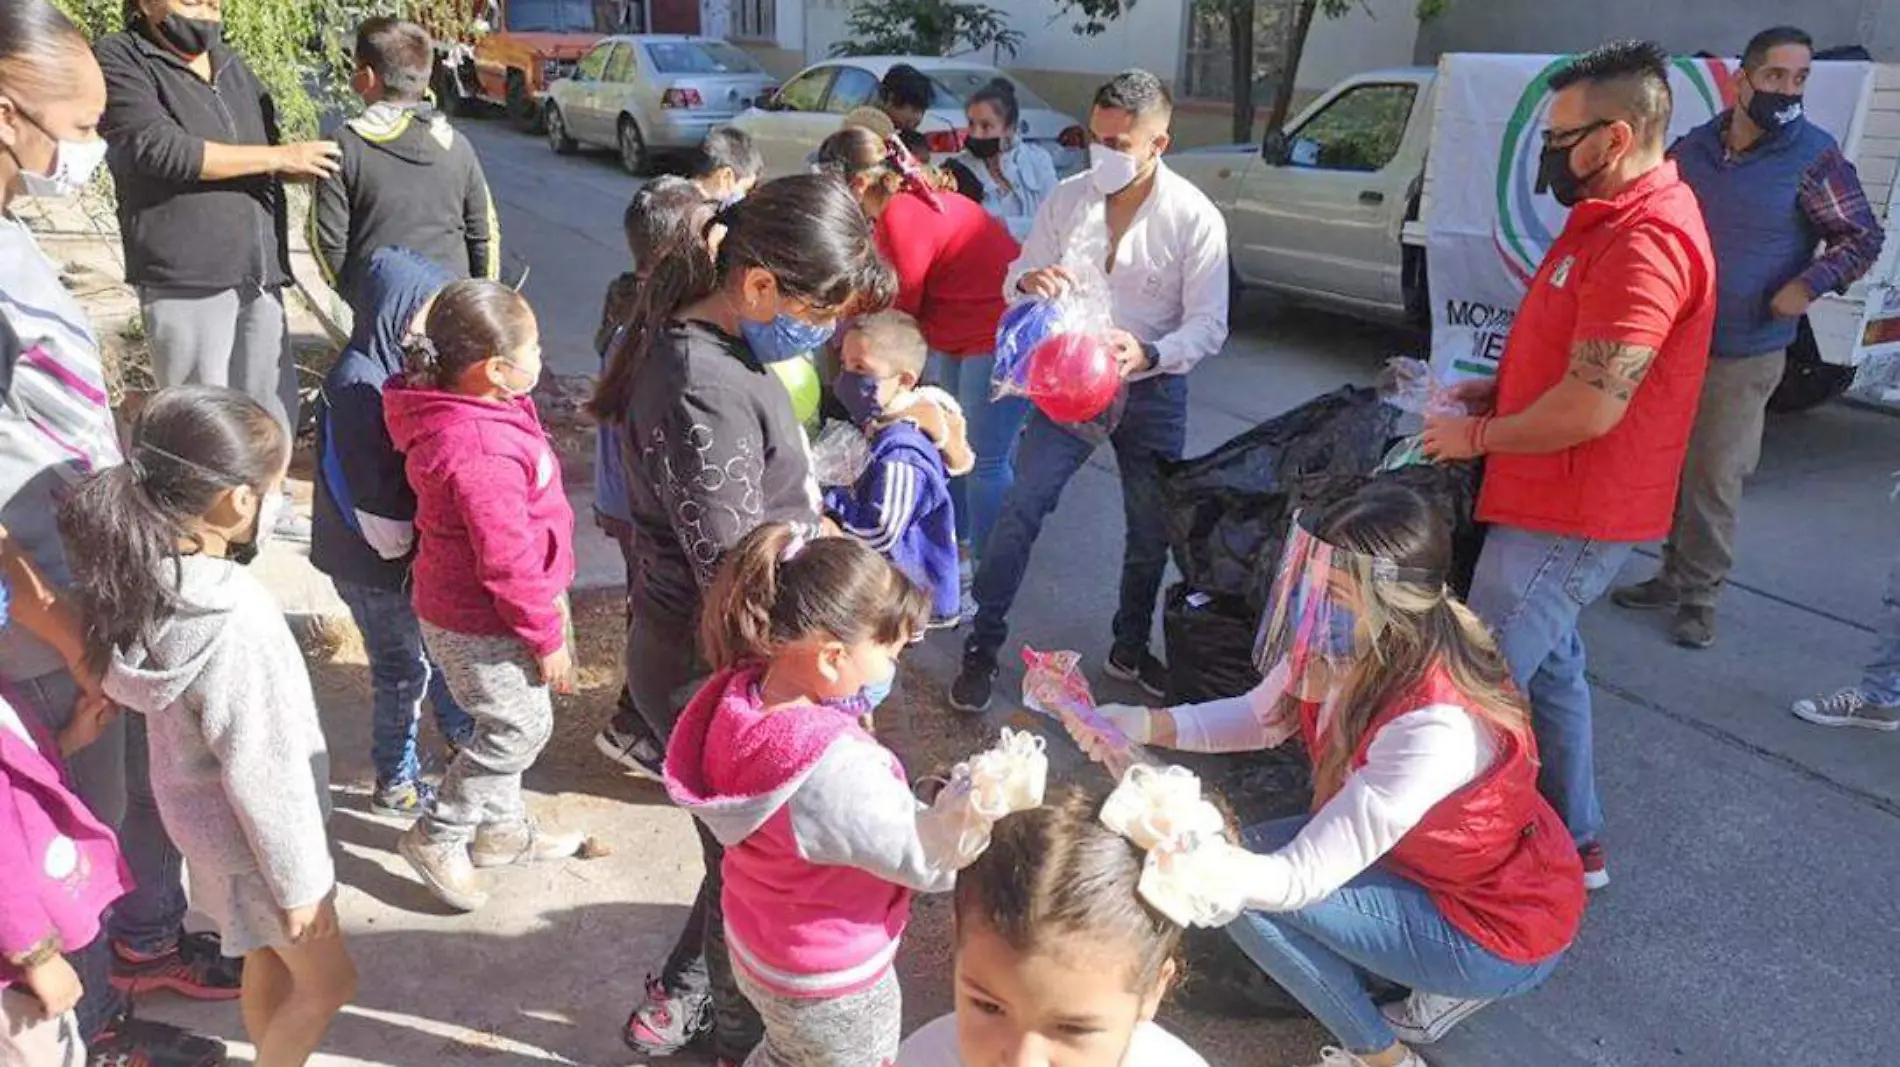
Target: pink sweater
x: 821, y: 835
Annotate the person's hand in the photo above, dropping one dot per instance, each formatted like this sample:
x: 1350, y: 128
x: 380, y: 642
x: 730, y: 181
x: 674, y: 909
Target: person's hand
x: 1130, y: 358
x: 1478, y: 395
x: 1792, y: 300
x: 828, y: 527
x: 557, y: 670
x: 312, y: 922
x: 929, y: 419
x: 1048, y: 283
x: 56, y: 985
x: 1134, y: 722
x: 91, y: 715
x: 1450, y: 437
x: 308, y: 160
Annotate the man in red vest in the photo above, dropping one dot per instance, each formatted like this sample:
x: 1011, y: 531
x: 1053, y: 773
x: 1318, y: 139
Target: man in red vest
x: 1589, y: 418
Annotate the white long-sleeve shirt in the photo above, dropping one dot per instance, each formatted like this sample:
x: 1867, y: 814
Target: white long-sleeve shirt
x: 1168, y: 281
x: 1416, y: 760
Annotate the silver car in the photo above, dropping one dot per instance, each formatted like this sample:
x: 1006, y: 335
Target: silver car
x: 648, y: 94
x: 789, y: 125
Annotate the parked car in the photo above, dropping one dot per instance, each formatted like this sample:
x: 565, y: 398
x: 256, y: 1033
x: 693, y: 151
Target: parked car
x: 792, y: 123
x: 648, y: 94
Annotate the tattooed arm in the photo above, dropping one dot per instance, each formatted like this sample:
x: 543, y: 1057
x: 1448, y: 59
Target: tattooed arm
x: 1585, y: 405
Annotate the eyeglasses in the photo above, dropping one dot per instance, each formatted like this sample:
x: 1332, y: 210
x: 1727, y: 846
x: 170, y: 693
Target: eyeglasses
x: 1571, y: 138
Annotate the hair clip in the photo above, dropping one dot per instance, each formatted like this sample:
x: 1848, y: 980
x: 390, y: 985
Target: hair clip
x: 1188, y: 874
x: 793, y: 547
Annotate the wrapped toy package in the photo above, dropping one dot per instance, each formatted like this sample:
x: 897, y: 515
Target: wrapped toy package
x: 1409, y: 385
x: 840, y: 454
x: 1053, y: 685
x: 1055, y: 352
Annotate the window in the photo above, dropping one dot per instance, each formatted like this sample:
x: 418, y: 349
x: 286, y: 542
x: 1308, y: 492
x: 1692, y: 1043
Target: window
x: 1359, y: 131
x: 700, y: 57
x: 854, y: 88
x: 620, y: 68
x: 1207, y: 71
x: 595, y: 62
x: 807, y: 91
x: 755, y: 20
x: 953, y: 87
x: 551, y: 16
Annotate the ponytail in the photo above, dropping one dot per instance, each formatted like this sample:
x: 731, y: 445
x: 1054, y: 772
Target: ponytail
x: 683, y: 274
x: 776, y: 587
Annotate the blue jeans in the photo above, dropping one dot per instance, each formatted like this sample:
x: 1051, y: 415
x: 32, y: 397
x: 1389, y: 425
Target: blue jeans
x: 1530, y: 588
x: 401, y: 675
x: 1153, y: 427
x: 994, y: 427
x: 1880, y: 683
x: 1378, y: 923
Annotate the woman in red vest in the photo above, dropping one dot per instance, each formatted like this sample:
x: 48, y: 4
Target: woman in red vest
x: 1429, y: 858
x: 951, y: 257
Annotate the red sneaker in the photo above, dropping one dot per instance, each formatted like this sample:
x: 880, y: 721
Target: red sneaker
x: 195, y: 967
x: 1595, y: 875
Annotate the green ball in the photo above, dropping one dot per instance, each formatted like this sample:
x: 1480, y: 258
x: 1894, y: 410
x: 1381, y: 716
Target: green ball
x: 800, y: 378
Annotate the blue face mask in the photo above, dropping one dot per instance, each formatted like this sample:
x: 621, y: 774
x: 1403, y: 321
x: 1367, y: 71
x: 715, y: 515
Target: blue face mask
x: 858, y: 393
x: 783, y: 338
x: 1341, y: 641
x: 868, y: 697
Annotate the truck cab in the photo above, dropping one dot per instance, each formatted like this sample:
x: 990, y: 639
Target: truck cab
x: 507, y: 52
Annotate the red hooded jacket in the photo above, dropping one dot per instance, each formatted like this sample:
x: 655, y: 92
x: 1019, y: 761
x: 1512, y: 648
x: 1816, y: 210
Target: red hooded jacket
x: 494, y: 532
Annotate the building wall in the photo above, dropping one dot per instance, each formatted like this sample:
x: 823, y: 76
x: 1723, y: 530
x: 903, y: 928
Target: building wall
x: 1685, y: 26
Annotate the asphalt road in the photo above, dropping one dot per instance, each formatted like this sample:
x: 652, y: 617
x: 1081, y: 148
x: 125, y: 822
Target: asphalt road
x: 1753, y: 920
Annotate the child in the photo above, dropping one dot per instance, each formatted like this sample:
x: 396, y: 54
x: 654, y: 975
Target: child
x: 726, y: 165
x: 494, y: 557
x: 404, y: 177
x: 901, y: 504
x: 158, y: 548
x: 824, y: 842
x: 1056, y: 947
x: 363, y: 531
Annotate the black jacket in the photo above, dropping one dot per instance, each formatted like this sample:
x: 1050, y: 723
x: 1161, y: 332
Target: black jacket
x: 407, y: 180
x: 178, y: 229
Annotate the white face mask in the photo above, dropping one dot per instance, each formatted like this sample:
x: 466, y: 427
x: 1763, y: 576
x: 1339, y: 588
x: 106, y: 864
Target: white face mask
x: 73, y: 165
x: 1111, y: 171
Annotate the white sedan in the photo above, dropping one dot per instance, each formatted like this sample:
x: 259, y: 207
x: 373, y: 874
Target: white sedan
x: 792, y: 123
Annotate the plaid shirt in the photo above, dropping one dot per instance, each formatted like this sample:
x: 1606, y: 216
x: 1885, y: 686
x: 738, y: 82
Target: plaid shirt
x: 1836, y: 205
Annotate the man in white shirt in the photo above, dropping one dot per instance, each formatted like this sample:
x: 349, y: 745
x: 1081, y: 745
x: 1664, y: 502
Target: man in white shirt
x: 1166, y: 256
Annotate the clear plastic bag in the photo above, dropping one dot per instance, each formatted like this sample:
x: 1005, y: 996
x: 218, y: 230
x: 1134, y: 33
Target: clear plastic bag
x: 1410, y: 386
x: 1082, y: 312
x: 840, y: 454
x: 1053, y: 685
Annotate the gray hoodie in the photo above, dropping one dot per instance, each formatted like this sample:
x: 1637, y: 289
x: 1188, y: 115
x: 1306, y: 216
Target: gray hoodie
x: 239, y: 767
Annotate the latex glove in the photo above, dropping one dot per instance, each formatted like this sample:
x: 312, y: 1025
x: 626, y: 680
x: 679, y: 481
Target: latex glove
x: 1136, y: 722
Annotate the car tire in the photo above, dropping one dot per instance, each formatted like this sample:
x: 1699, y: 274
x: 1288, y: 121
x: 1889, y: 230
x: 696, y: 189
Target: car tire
x: 448, y: 92
x: 521, y: 106
x: 633, y: 148
x: 1809, y: 381
x: 555, y: 125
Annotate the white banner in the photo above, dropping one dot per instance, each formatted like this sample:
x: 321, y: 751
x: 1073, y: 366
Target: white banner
x: 1487, y: 228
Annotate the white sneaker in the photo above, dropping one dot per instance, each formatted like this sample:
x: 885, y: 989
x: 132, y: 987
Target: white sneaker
x: 1339, y: 1057
x: 1425, y: 1018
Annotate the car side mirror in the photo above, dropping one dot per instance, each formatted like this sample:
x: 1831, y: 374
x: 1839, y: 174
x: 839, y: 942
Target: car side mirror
x: 1274, y: 148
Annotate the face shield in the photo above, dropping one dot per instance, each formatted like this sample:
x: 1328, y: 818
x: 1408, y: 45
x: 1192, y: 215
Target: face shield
x: 1328, y: 610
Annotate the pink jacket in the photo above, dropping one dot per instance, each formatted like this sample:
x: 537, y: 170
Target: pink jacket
x: 494, y: 532
x: 60, y: 867
x: 821, y: 835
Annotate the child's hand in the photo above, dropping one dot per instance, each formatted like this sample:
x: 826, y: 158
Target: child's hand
x: 928, y: 418
x: 557, y: 670
x: 56, y: 985
x: 91, y: 715
x: 312, y: 922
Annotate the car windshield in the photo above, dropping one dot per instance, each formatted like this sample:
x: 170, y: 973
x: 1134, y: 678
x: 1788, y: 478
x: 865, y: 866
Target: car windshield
x: 700, y: 57
x: 554, y: 16
x: 955, y: 86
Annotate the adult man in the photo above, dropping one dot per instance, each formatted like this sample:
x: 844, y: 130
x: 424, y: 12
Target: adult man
x: 1594, y: 398
x: 1166, y: 255
x: 404, y: 177
x: 1773, y: 186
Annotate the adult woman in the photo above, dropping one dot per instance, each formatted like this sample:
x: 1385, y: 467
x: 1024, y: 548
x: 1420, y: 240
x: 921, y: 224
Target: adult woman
x: 713, y: 450
x: 951, y: 258
x: 1429, y: 859
x: 55, y: 428
x: 1016, y: 175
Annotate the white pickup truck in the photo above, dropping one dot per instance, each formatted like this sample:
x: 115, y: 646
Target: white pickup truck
x: 1334, y: 210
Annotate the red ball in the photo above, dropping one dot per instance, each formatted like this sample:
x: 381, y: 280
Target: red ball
x: 1073, y: 377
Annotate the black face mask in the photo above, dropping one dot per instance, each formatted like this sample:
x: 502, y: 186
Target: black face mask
x: 1772, y: 111
x: 1555, y: 175
x: 193, y: 37
x: 983, y: 147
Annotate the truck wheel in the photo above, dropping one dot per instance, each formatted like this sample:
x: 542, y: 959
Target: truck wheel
x: 1808, y: 382
x: 448, y: 92
x: 633, y: 148
x: 521, y: 106
x: 559, y: 139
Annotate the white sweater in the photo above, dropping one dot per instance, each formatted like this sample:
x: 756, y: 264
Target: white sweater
x: 1416, y: 760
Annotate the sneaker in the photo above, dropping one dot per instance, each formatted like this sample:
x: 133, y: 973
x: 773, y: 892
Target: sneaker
x: 1424, y: 1018
x: 1694, y: 627
x: 1653, y: 595
x: 941, y: 622
x: 626, y: 741
x: 1848, y: 707
x: 292, y: 527
x: 445, y: 868
x: 662, y: 1024
x: 410, y: 798
x: 523, y: 843
x: 1140, y: 667
x: 1339, y: 1057
x: 129, y: 1042
x: 970, y: 693
x: 1595, y: 874
x: 195, y: 966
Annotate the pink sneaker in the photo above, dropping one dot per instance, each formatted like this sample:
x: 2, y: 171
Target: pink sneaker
x: 662, y: 1024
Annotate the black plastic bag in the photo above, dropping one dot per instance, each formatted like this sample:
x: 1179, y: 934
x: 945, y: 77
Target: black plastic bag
x: 1210, y: 644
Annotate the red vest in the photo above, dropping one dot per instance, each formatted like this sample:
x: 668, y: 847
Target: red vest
x: 1621, y: 486
x: 1494, y: 856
